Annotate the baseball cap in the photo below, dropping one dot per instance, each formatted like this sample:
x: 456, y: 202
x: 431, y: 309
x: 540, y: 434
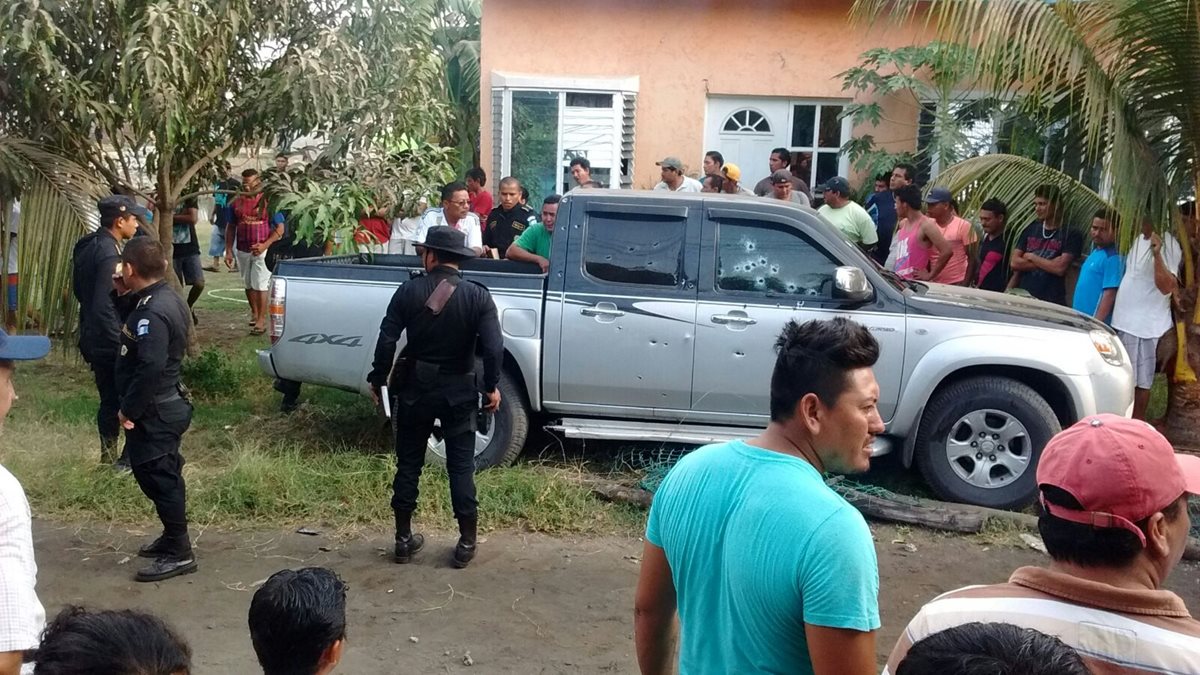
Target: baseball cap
x: 938, y: 195
x: 731, y: 171
x: 23, y: 347
x: 781, y: 176
x: 115, y: 206
x: 1120, y: 470
x: 839, y: 185
x: 671, y: 163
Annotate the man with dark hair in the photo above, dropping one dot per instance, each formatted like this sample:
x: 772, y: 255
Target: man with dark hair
x: 902, y: 174
x: 713, y: 161
x: 298, y: 622
x: 780, y: 160
x: 250, y: 235
x: 21, y: 614
x: 673, y: 178
x: 1115, y: 522
x: 993, y: 274
x: 991, y: 649
x: 959, y: 269
x: 96, y: 258
x: 581, y: 171
x: 114, y: 642
x: 847, y: 216
x: 534, y: 244
x: 155, y: 410
x: 454, y: 213
x: 781, y: 188
x: 445, y: 319
x: 881, y: 206
x: 481, y: 199
x: 916, y: 239
x: 185, y: 252
x: 281, y: 162
x: 768, y: 569
x: 1100, y: 275
x: 508, y: 221
x: 1046, y: 248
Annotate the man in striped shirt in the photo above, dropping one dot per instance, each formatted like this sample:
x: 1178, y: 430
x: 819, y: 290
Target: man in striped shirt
x: 1115, y: 522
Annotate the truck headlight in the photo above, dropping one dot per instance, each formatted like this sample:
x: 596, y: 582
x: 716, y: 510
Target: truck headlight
x: 1107, y: 346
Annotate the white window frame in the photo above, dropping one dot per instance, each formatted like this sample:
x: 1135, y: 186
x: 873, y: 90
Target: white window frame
x: 845, y: 134
x: 618, y: 87
x: 741, y: 132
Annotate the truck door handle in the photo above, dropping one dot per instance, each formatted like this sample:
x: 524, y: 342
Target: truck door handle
x: 735, y: 319
x: 610, y: 312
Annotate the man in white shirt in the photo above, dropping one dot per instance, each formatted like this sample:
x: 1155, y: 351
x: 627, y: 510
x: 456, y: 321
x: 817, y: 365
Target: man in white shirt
x: 455, y: 213
x: 1142, y: 311
x: 673, y: 179
x: 404, y: 230
x: 21, y: 614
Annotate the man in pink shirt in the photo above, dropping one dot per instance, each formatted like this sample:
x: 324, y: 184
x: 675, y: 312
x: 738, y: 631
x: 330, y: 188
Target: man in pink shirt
x: 960, y: 268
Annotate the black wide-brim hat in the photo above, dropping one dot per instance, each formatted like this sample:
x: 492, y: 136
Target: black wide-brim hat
x: 448, y: 239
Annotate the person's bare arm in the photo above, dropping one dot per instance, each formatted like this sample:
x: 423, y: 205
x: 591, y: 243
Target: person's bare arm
x: 1107, y: 299
x: 1014, y: 280
x: 972, y: 264
x: 186, y: 216
x: 10, y: 663
x: 1056, y: 266
x: 519, y: 254
x: 840, y: 651
x: 654, y: 613
x: 1164, y: 279
x: 933, y: 234
x: 1020, y: 262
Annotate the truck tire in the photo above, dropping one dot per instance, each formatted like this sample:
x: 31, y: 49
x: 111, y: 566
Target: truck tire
x: 503, y: 439
x: 980, y: 439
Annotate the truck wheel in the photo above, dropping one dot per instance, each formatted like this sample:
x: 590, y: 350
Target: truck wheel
x: 980, y: 439
x: 500, y: 441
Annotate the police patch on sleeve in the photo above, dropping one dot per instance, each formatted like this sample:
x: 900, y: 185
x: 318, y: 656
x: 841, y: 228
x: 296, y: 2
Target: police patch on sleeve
x: 143, y: 327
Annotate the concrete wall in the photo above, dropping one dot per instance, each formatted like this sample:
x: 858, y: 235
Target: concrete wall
x: 683, y: 51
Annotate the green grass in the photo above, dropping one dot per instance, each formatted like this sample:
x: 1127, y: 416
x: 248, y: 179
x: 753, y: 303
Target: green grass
x: 1157, y: 408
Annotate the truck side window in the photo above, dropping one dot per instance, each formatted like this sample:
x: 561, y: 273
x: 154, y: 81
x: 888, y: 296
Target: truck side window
x: 634, y: 249
x: 763, y: 257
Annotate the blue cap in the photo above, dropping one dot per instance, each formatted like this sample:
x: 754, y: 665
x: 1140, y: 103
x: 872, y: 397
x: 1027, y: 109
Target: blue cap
x: 23, y: 347
x: 938, y: 195
x: 115, y: 206
x: 839, y: 185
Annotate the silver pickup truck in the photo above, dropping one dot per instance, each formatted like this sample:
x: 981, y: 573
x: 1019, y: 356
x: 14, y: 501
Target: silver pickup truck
x: 657, y: 322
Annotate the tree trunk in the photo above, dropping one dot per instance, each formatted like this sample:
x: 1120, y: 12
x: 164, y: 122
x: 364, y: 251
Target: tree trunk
x: 1183, y: 410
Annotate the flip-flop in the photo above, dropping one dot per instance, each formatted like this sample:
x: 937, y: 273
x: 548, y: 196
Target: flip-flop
x: 258, y: 331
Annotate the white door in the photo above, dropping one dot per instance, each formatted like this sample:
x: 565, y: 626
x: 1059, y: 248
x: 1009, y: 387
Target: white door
x: 745, y: 130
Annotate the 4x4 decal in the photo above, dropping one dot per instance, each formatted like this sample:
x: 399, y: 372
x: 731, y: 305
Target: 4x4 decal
x: 324, y: 339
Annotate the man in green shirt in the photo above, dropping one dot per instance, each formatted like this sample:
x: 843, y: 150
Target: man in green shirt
x: 534, y: 243
x: 847, y: 216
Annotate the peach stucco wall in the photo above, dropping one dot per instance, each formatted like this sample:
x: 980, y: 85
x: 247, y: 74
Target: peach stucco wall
x: 683, y: 51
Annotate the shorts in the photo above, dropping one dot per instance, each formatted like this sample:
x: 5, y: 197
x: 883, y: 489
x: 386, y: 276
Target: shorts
x: 255, y: 274
x: 189, y: 270
x: 12, y: 292
x: 216, y: 245
x: 1142, y: 353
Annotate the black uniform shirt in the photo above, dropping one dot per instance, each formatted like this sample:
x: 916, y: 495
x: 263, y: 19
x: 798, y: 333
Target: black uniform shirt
x: 447, y: 339
x: 153, y: 341
x: 503, y: 227
x: 96, y: 258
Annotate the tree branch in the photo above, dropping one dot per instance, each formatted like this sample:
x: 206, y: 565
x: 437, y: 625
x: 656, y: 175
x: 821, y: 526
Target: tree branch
x: 195, y: 168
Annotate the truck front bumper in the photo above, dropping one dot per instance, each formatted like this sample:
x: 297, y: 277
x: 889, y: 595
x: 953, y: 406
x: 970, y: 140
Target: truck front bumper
x: 267, y: 364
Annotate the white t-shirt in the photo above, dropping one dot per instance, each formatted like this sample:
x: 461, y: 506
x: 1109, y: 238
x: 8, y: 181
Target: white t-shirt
x: 1140, y: 309
x: 688, y: 185
x: 14, y: 224
x: 469, y: 225
x: 22, y: 617
x: 404, y: 230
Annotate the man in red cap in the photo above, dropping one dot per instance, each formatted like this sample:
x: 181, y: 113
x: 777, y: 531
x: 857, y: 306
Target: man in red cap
x: 1115, y: 523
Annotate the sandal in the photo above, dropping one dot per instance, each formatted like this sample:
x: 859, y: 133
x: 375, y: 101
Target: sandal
x: 257, y: 331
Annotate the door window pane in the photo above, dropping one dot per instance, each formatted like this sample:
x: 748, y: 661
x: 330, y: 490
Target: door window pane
x: 535, y: 142
x: 770, y: 258
x: 803, y: 122
x: 634, y: 249
x: 827, y: 166
x: 587, y: 100
x: 831, y: 127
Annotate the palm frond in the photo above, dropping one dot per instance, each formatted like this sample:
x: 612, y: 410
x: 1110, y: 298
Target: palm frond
x: 57, y: 207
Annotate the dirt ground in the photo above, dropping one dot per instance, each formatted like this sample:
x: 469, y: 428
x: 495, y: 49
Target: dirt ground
x: 529, y: 604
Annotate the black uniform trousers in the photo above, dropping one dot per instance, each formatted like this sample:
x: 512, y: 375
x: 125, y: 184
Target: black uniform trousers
x: 103, y: 367
x: 415, y: 414
x: 153, y: 445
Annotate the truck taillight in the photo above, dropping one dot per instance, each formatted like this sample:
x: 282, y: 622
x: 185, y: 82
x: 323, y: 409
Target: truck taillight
x: 278, y: 300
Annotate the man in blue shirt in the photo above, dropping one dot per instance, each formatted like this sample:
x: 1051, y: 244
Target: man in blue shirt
x: 1096, y: 289
x: 769, y: 569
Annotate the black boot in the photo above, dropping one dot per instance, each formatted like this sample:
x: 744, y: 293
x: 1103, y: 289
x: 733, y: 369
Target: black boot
x: 464, y: 552
x: 158, y: 547
x: 176, y: 559
x: 407, y: 543
x: 108, y: 455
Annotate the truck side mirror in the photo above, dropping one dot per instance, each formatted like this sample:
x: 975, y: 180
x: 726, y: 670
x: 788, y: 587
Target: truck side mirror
x: 850, y: 286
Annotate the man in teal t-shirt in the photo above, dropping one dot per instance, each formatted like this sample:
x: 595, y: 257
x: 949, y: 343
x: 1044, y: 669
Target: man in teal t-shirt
x: 1100, y: 275
x: 769, y: 570
x: 534, y: 243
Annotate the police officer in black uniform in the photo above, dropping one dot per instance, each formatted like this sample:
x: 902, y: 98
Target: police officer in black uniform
x: 97, y: 256
x: 154, y: 407
x: 434, y: 378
